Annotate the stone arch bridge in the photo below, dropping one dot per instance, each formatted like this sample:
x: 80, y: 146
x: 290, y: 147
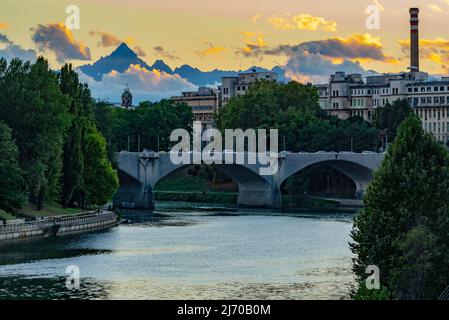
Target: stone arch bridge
x: 139, y: 173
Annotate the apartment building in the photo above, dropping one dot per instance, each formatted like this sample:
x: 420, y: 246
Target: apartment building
x: 239, y: 85
x: 204, y: 103
x: 349, y: 95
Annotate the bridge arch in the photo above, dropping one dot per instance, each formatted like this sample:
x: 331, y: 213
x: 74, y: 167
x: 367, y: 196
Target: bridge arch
x: 361, y: 175
x: 255, y: 190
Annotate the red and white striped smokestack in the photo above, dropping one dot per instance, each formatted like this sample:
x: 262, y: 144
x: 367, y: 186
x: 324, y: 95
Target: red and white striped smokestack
x: 414, y: 39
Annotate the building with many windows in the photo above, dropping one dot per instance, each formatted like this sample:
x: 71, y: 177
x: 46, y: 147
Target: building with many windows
x: 238, y: 85
x: 204, y: 103
x: 349, y: 95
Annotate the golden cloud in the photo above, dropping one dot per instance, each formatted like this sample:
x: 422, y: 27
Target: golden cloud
x: 433, y: 50
x: 254, y: 42
x: 435, y: 8
x: 301, y: 22
x: 58, y: 38
x: 3, y: 25
x: 106, y: 39
x: 211, y: 51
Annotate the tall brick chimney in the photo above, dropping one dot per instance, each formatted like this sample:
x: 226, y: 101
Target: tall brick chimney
x: 414, y: 39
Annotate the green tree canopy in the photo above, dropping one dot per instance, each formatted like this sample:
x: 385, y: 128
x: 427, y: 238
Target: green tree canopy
x: 293, y: 109
x: 388, y: 118
x: 32, y: 105
x: 152, y: 122
x: 100, y: 179
x: 11, y: 186
x: 404, y: 228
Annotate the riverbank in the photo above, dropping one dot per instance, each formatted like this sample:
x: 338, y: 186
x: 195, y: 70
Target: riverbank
x: 56, y: 226
x: 183, y: 187
x: 297, y: 202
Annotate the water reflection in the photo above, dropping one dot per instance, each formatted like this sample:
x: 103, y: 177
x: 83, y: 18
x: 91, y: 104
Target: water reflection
x: 188, y: 252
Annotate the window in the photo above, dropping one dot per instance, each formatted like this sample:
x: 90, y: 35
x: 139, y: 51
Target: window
x: 435, y: 89
x: 409, y: 89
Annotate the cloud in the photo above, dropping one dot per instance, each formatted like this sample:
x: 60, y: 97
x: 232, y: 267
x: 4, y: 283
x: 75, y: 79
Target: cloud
x: 314, y: 61
x: 12, y: 50
x: 254, y: 44
x: 301, y: 22
x: 357, y: 47
x: 313, y: 67
x: 139, y: 51
x: 144, y: 84
x: 3, y: 25
x: 57, y: 38
x: 434, y: 50
x: 256, y: 18
x: 435, y: 8
x: 211, y: 51
x: 165, y: 53
x: 106, y: 39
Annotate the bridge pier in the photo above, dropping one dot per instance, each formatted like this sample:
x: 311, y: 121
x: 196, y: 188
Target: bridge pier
x: 259, y: 198
x: 133, y: 195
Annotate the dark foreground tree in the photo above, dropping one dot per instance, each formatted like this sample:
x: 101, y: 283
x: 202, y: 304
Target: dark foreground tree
x: 73, y: 165
x: 404, y: 228
x: 100, y: 180
x: 11, y: 186
x: 388, y: 118
x: 32, y: 105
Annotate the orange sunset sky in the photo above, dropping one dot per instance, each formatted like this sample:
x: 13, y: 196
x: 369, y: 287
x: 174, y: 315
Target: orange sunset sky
x: 232, y: 34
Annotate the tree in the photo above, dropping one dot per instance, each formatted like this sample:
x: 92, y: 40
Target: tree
x: 151, y: 122
x: 11, y: 186
x: 32, y: 105
x: 404, y: 228
x: 73, y: 165
x: 388, y: 118
x: 100, y: 180
x: 293, y: 109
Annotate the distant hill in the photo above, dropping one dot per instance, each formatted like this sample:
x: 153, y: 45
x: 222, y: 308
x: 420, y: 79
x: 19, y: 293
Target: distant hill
x: 122, y: 57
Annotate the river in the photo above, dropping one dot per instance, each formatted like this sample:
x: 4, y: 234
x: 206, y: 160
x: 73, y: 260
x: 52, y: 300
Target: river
x: 183, y: 251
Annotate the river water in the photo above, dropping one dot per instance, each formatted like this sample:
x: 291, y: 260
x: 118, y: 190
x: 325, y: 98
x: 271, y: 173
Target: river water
x: 183, y: 251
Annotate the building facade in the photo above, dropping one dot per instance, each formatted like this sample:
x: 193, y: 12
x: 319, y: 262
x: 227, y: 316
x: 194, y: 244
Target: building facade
x: 349, y: 95
x: 239, y: 85
x: 204, y: 103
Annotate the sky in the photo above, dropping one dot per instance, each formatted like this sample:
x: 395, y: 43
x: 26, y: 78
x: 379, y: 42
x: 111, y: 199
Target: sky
x: 310, y: 38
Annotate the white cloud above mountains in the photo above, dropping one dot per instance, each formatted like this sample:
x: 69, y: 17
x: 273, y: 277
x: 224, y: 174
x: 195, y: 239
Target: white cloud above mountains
x: 144, y: 84
x: 12, y: 50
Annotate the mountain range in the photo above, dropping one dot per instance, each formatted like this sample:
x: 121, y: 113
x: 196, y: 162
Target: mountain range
x: 123, y: 56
